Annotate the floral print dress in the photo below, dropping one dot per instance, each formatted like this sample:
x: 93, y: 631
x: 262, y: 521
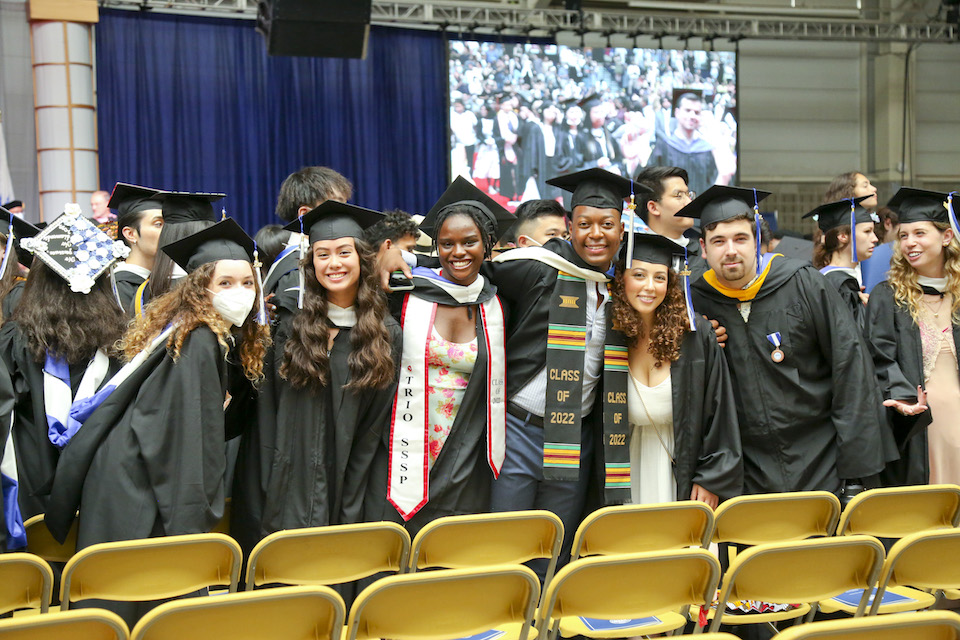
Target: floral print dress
x: 449, y: 367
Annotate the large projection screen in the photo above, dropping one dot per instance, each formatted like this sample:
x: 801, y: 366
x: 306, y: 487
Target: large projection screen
x: 515, y: 121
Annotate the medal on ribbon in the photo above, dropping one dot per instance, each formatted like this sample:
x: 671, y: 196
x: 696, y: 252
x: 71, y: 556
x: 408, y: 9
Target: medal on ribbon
x: 777, y: 355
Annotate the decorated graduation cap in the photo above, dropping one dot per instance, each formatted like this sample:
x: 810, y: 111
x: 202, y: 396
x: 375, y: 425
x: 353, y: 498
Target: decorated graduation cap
x: 15, y: 228
x: 462, y: 193
x: 720, y: 203
x: 918, y: 205
x: 179, y: 206
x: 597, y: 188
x: 225, y: 240
x: 131, y: 199
x: 647, y: 246
x: 75, y: 249
x: 843, y: 212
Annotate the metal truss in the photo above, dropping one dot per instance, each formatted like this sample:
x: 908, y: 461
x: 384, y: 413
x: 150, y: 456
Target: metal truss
x: 512, y: 19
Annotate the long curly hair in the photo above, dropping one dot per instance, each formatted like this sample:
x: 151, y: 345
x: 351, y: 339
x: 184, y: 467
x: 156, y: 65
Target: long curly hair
x: 306, y: 361
x: 189, y: 306
x: 830, y: 244
x: 903, y: 277
x: 67, y: 324
x: 670, y: 324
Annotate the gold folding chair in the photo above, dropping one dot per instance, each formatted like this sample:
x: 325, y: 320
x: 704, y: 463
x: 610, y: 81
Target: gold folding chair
x: 637, y: 528
x: 720, y: 635
x: 627, y: 595
x: 776, y: 517
x: 924, y: 625
x: 513, y: 537
x: 328, y: 555
x: 925, y: 560
x: 291, y: 613
x: 802, y: 572
x: 895, y: 512
x: 40, y: 542
x: 85, y: 624
x: 447, y: 603
x: 151, y: 569
x: 26, y: 582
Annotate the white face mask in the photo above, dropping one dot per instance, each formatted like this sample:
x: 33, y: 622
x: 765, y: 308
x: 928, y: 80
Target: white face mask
x: 234, y: 304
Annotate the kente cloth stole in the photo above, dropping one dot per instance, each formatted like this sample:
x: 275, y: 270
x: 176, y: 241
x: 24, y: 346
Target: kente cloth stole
x: 408, y: 484
x: 616, y: 430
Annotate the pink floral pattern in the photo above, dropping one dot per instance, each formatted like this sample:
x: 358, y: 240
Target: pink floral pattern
x: 449, y: 367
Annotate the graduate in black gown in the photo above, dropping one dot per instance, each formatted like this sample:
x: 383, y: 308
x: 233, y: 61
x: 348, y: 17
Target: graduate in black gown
x: 446, y: 441
x: 913, y: 330
x: 139, y: 225
x: 695, y: 450
x: 839, y: 253
x: 59, y: 343
x: 12, y: 277
x: 13, y: 536
x: 330, y: 381
x: 802, y: 379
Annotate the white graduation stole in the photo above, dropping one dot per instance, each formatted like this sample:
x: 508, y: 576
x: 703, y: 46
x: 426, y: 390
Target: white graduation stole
x: 408, y: 485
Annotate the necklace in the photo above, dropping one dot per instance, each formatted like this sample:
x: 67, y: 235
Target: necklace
x: 936, y: 314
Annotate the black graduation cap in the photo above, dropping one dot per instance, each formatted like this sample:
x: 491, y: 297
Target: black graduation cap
x: 331, y: 220
x: 597, y: 188
x: 590, y: 101
x: 720, y: 203
x: 21, y: 228
x: 918, y: 205
x: 461, y: 191
x: 652, y: 248
x: 224, y: 240
x: 130, y: 199
x: 179, y: 206
x: 12, y: 204
x: 836, y: 214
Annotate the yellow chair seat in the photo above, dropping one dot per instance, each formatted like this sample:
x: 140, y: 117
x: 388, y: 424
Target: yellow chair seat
x: 594, y: 628
x: 951, y: 594
x: 895, y: 600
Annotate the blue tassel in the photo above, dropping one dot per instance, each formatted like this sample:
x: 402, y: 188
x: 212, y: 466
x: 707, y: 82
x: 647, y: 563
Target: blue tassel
x: 952, y: 215
x: 853, y: 230
x: 261, y: 305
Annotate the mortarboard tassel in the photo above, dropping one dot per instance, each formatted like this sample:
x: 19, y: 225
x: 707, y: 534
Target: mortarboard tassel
x: 756, y: 220
x: 853, y: 230
x: 952, y: 216
x: 223, y: 213
x: 261, y: 305
x: 301, y: 276
x: 688, y: 299
x: 7, y: 250
x: 632, y: 207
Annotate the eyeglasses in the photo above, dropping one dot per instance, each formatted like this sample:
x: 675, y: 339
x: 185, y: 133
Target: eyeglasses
x: 680, y: 195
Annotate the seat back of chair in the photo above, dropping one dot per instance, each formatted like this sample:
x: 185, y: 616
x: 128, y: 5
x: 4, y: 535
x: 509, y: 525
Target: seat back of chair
x: 85, y: 624
x: 26, y: 582
x: 328, y: 555
x: 803, y: 572
x: 924, y: 560
x: 292, y: 613
x: 894, y: 512
x: 152, y: 569
x: 461, y: 542
x: 776, y: 517
x: 632, y: 585
x: 637, y: 528
x: 447, y: 603
x: 921, y: 625
x: 40, y: 541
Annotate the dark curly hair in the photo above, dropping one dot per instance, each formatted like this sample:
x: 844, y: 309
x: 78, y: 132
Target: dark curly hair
x: 483, y: 222
x: 671, y: 323
x: 306, y: 362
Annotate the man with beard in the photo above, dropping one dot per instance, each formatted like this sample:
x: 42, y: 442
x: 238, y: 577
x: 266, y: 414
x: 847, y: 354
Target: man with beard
x: 803, y: 381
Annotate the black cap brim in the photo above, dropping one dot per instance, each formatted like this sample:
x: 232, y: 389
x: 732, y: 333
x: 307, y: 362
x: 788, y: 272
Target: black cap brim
x: 225, y: 240
x: 652, y: 248
x: 598, y: 188
x: 21, y: 228
x: 331, y: 220
x: 462, y: 191
x: 837, y: 214
x: 919, y: 205
x: 720, y: 203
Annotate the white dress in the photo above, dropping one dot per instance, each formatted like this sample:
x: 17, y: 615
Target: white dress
x: 651, y: 445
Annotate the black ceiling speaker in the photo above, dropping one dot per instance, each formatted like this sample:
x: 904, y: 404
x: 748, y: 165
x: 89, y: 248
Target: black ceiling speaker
x: 315, y: 28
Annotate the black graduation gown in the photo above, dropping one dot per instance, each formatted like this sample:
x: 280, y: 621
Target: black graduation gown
x: 36, y: 455
x: 150, y: 460
x: 460, y: 477
x: 532, y: 161
x: 591, y: 150
x: 284, y: 280
x: 897, y: 351
x: 706, y: 434
x: 811, y: 421
x: 310, y: 458
x: 6, y: 407
x: 12, y: 299
x: 849, y: 290
x: 127, y: 284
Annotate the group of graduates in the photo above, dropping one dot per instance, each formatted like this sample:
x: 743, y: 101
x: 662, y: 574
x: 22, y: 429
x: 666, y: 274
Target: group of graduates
x: 356, y: 381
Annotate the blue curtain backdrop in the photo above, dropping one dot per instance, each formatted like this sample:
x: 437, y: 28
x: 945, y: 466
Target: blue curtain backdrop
x: 195, y: 104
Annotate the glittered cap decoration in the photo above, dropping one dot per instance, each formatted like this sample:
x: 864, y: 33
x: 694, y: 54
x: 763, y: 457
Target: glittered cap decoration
x: 652, y: 248
x: 225, y: 240
x: 919, y: 205
x: 597, y: 188
x: 720, y: 203
x: 185, y: 207
x: 462, y: 192
x: 75, y: 249
x: 331, y: 220
x: 837, y: 214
